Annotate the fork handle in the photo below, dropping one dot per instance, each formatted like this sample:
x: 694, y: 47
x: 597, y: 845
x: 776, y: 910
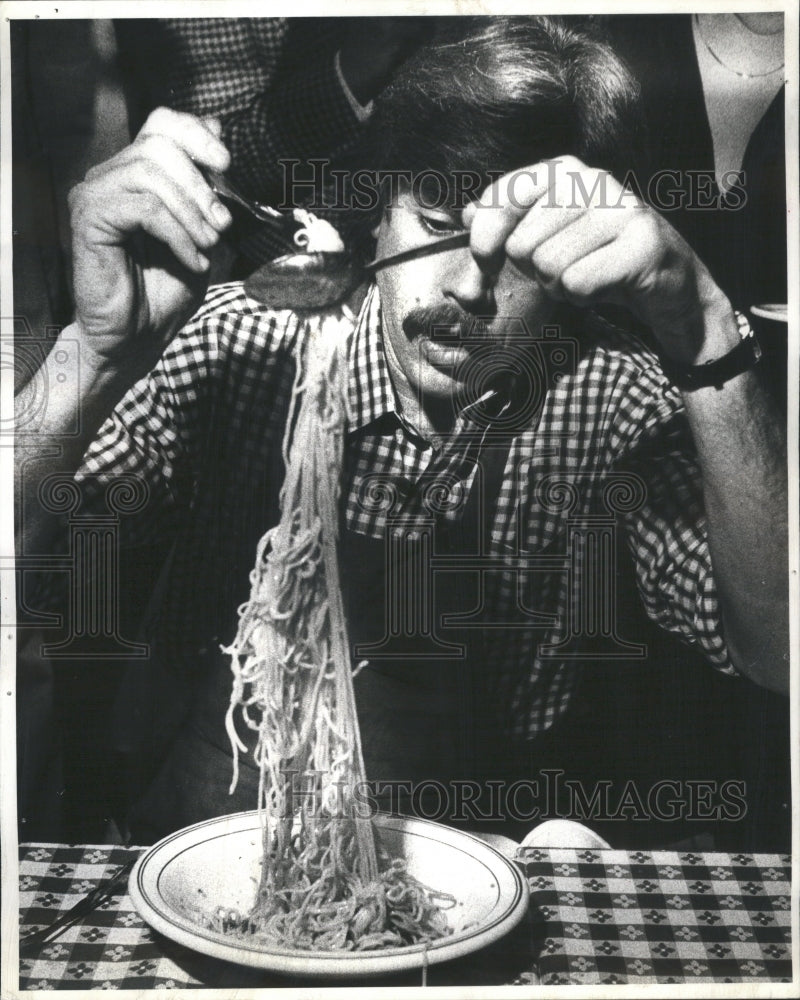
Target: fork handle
x: 459, y: 239
x: 90, y: 901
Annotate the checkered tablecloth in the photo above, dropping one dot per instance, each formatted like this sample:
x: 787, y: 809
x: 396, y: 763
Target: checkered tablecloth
x: 660, y: 916
x: 595, y: 917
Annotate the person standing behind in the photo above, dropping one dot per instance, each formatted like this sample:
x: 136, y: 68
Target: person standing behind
x: 712, y: 89
x: 284, y: 89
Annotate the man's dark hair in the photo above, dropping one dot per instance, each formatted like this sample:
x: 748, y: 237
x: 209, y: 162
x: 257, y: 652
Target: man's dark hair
x: 499, y: 93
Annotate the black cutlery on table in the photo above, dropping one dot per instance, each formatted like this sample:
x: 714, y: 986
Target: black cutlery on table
x: 101, y: 892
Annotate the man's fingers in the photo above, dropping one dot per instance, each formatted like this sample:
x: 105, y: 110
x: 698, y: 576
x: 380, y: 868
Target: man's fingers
x: 191, y: 134
x: 574, y: 229
x: 527, y: 207
x: 156, y: 156
x: 115, y: 217
x: 496, y: 214
x: 154, y: 164
x: 570, y: 241
x: 214, y: 125
x: 163, y: 226
x: 178, y: 202
x: 543, y: 222
x: 609, y: 273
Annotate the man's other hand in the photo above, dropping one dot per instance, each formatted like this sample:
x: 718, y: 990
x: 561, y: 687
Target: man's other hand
x: 142, y: 226
x: 586, y: 239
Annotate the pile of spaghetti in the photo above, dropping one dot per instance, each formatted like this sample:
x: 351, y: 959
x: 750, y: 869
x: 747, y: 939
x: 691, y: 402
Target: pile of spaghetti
x: 323, y: 884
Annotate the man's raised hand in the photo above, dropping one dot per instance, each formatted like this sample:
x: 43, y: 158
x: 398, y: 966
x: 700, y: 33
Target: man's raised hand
x: 142, y: 226
x: 586, y: 240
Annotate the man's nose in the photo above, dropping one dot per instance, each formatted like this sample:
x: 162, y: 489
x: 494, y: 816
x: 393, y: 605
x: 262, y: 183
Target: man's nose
x: 469, y: 285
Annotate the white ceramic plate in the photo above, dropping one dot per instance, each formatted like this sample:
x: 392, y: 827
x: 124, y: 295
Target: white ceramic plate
x: 217, y: 863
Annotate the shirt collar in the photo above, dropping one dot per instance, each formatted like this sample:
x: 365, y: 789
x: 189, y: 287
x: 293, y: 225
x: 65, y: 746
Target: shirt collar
x: 370, y: 391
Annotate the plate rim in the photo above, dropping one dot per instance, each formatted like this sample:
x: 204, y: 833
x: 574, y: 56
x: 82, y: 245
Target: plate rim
x: 152, y: 863
x: 778, y: 312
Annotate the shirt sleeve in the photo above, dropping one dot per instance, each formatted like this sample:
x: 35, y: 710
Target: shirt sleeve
x: 155, y: 436
x: 667, y: 532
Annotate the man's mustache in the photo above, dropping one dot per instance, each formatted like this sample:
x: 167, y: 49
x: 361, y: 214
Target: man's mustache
x: 445, y: 322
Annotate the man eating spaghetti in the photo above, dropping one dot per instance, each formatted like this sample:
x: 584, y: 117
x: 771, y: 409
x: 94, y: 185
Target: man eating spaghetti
x: 557, y: 452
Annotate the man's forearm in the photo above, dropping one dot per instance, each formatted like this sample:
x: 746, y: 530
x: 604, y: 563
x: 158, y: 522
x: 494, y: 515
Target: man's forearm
x: 740, y: 440
x: 53, y: 436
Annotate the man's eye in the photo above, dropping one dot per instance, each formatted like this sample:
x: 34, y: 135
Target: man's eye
x: 439, y: 224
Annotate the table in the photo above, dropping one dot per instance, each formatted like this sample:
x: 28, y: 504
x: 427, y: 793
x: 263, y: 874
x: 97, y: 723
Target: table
x: 595, y: 917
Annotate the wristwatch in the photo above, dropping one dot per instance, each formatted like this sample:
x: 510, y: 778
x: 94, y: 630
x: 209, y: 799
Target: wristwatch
x: 742, y: 358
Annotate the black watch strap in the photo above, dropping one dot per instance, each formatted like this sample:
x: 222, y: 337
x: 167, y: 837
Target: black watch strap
x: 742, y: 358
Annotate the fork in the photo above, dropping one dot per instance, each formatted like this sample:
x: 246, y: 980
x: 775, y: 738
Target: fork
x: 283, y: 223
x: 222, y: 187
x: 458, y: 239
x: 101, y: 892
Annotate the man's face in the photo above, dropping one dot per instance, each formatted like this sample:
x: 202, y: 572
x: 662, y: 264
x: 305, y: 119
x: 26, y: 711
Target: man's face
x: 439, y: 311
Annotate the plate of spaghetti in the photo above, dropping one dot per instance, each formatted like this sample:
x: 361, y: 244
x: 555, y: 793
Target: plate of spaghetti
x: 199, y: 886
x: 310, y: 882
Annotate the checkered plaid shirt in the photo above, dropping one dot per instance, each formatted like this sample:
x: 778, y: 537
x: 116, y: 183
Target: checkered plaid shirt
x: 603, y: 448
